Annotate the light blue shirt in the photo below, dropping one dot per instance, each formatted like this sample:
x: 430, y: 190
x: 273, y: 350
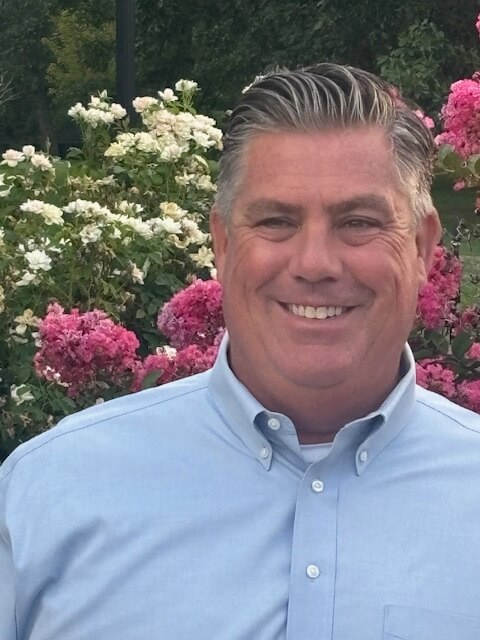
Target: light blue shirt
x: 187, y: 512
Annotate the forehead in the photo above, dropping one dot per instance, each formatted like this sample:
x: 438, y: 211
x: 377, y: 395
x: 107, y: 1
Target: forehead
x: 317, y: 165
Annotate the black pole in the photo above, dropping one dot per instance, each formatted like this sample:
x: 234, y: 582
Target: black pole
x: 125, y: 56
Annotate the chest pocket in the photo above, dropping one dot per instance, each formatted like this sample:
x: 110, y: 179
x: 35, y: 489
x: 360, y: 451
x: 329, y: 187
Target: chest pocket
x: 409, y: 623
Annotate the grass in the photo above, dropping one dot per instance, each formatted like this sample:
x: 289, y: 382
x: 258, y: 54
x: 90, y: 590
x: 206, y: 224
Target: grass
x: 454, y: 206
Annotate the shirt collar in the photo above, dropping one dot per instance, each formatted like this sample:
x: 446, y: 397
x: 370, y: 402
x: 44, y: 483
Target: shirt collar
x: 240, y: 410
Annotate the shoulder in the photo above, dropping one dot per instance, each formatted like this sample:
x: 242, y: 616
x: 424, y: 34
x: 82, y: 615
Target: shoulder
x: 442, y: 411
x: 123, y: 417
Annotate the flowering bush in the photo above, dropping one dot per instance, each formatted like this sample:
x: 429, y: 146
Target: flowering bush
x: 446, y: 341
x: 107, y: 235
x: 92, y: 246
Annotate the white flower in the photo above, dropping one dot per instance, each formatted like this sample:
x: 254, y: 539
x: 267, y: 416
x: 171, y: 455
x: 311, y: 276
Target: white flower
x: 203, y: 258
x: 116, y: 150
x: 137, y: 274
x: 167, y: 95
x: 27, y: 319
x: 193, y: 232
x: 21, y: 394
x: 186, y: 85
x: 90, y: 233
x: 205, y: 183
x: 168, y: 225
x: 143, y: 103
x: 41, y: 162
x: 26, y: 279
x: 76, y: 111
x: 170, y: 352
x: 28, y: 150
x: 172, y: 210
x: 171, y: 152
x: 11, y: 157
x: 118, y: 111
x: 38, y: 260
x: 50, y: 213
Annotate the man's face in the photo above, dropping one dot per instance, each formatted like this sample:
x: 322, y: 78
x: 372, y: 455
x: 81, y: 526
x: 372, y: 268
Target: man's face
x: 320, y: 262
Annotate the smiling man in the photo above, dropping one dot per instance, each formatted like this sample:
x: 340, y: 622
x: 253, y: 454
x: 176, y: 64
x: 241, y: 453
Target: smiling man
x: 305, y: 488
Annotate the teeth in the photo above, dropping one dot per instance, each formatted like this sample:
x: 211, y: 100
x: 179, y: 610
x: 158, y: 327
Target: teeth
x: 320, y: 313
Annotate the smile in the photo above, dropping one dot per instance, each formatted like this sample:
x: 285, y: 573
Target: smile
x: 319, y: 313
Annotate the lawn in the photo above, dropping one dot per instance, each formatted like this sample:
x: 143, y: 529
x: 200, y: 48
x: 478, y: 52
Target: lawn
x: 454, y: 206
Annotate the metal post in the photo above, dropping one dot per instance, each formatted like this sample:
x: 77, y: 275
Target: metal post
x: 125, y: 54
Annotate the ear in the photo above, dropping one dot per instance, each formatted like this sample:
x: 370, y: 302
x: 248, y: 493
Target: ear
x: 428, y: 235
x: 219, y: 233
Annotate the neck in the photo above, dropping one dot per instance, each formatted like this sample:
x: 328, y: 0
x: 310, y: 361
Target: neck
x: 319, y: 413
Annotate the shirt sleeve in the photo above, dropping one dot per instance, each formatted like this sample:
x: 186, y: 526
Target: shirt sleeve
x: 8, y: 627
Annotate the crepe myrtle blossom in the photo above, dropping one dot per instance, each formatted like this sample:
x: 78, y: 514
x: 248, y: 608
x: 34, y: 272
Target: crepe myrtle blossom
x: 194, y: 315
x: 437, y: 298
x: 166, y: 367
x: 80, y: 349
x: 461, y: 117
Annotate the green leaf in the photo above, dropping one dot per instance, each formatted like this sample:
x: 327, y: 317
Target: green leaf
x: 151, y: 378
x: 461, y: 344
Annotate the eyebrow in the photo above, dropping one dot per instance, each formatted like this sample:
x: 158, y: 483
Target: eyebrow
x: 370, y: 201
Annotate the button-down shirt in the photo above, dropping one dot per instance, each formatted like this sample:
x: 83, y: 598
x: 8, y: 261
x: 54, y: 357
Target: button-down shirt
x: 188, y: 511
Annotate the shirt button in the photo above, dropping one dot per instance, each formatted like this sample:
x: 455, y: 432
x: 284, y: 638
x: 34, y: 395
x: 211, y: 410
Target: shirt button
x: 313, y: 571
x: 363, y: 457
x: 274, y: 424
x: 317, y: 486
x: 264, y: 452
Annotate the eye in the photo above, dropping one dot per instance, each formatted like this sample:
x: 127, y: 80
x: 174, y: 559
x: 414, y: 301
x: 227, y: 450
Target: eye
x: 361, y: 223
x: 276, y: 223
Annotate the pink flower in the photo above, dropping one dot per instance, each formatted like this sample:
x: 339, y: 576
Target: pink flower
x: 434, y: 376
x: 79, y: 350
x: 436, y: 300
x: 474, y: 352
x: 477, y: 24
x: 461, y: 117
x: 427, y: 121
x: 469, y: 394
x: 186, y: 362
x: 194, y: 315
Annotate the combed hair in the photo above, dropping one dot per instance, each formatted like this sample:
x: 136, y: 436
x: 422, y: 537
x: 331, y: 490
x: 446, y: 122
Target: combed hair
x: 324, y: 97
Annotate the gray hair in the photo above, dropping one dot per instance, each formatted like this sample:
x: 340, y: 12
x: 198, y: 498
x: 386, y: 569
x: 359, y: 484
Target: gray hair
x: 322, y: 97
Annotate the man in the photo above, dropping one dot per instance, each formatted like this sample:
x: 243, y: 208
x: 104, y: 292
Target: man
x: 304, y: 488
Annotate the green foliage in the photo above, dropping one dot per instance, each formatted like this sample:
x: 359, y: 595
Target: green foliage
x: 84, y: 59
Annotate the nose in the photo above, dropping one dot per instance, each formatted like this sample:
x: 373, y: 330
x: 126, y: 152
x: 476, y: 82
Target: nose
x: 316, y: 254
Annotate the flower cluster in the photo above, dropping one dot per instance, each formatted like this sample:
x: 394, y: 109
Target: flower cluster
x: 168, y: 365
x: 461, y: 117
x: 437, y: 299
x: 100, y: 111
x: 194, y: 315
x: 80, y: 350
x: 93, y: 231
